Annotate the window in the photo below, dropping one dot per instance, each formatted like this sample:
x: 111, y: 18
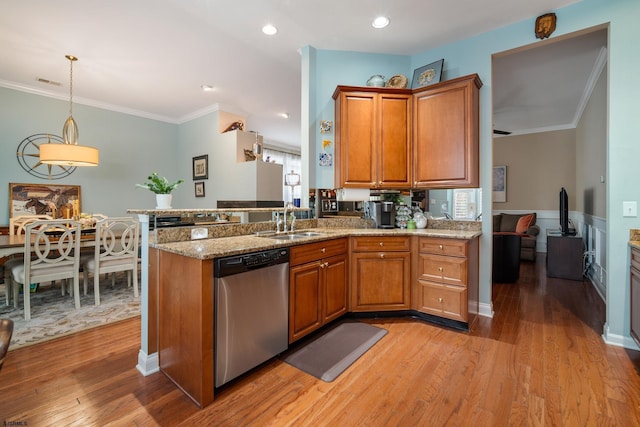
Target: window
x: 290, y: 162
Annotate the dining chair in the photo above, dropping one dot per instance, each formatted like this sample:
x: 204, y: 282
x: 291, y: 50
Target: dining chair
x: 51, y: 252
x: 16, y: 227
x: 17, y: 224
x: 116, y: 249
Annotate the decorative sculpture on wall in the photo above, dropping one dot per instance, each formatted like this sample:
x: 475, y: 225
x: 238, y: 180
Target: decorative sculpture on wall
x: 545, y: 25
x: 235, y: 126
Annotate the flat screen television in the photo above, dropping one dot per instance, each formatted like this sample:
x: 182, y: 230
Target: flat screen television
x: 564, y: 214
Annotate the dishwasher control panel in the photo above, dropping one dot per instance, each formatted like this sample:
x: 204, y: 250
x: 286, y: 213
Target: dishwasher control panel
x: 240, y: 263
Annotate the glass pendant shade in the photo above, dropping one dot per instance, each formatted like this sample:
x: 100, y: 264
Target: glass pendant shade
x: 70, y: 131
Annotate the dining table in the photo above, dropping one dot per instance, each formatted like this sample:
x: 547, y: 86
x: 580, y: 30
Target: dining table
x: 14, y: 244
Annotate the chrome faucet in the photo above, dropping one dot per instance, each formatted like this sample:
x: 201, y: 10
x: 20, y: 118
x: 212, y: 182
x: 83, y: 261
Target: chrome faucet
x: 293, y: 222
x: 286, y: 209
x: 278, y: 222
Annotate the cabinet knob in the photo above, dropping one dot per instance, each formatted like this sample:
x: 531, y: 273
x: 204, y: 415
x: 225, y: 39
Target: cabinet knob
x: 440, y: 269
x: 381, y: 243
x: 381, y: 255
x: 441, y: 247
x: 440, y: 299
x: 326, y: 264
x: 323, y: 250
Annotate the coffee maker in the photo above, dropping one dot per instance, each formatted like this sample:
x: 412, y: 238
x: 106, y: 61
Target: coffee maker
x: 383, y: 213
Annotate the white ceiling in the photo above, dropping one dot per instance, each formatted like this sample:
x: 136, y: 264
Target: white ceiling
x: 150, y: 57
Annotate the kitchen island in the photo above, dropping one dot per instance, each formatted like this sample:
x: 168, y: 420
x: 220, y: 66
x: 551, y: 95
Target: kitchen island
x: 416, y: 282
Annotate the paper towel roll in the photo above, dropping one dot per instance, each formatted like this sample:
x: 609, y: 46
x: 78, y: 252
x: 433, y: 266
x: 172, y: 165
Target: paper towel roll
x: 352, y: 194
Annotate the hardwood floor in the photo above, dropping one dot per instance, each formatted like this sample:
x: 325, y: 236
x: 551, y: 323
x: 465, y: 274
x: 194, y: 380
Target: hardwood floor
x: 539, y: 361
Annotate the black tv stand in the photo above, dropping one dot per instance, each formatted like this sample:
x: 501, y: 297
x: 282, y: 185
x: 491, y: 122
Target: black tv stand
x: 570, y: 232
x: 564, y: 255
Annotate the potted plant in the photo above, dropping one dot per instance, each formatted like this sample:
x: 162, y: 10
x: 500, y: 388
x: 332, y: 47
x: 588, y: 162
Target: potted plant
x: 162, y: 188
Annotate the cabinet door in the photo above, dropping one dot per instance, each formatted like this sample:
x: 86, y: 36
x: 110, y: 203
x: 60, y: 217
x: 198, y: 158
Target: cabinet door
x: 445, y: 136
x: 335, y: 287
x: 394, y: 137
x: 305, y: 306
x: 635, y: 295
x: 380, y: 281
x: 355, y: 140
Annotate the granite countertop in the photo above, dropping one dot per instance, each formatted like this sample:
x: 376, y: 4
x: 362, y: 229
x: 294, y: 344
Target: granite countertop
x: 227, y: 246
x: 634, y: 238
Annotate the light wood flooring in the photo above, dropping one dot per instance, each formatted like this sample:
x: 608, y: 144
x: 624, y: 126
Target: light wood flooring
x: 539, y: 361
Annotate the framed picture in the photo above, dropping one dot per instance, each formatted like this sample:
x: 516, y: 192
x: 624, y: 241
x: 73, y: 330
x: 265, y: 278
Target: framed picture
x: 58, y: 201
x: 326, y: 126
x: 427, y: 75
x: 201, y: 167
x: 199, y: 189
x: 325, y: 159
x: 499, y: 183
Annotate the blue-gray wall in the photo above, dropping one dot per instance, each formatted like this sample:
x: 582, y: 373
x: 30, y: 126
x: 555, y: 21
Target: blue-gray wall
x: 474, y: 55
x: 130, y: 149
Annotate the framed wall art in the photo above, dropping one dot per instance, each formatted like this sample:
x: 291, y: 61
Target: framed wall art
x: 499, y: 183
x: 201, y: 167
x: 199, y: 189
x: 427, y: 75
x: 58, y: 201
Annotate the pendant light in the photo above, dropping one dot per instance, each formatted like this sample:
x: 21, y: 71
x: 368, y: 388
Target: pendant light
x: 69, y: 153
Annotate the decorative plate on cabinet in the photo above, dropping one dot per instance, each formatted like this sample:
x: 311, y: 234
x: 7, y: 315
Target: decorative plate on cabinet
x: 398, y: 81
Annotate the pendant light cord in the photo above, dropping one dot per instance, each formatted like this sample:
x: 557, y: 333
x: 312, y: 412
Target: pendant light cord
x: 71, y: 58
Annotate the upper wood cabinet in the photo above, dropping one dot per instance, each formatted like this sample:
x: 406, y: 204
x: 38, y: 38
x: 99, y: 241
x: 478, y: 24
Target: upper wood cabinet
x: 373, y: 137
x: 445, y: 134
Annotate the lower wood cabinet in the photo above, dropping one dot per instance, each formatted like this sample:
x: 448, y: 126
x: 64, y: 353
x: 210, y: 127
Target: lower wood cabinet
x: 317, y: 286
x: 447, y: 278
x: 635, y: 295
x: 380, y: 273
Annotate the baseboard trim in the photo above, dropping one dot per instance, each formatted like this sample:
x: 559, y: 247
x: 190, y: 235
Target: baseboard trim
x: 485, y: 309
x: 148, y: 363
x: 618, y: 340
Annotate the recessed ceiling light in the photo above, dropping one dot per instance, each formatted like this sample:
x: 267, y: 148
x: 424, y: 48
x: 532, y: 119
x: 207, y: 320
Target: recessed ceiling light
x: 284, y: 115
x: 269, y: 30
x: 206, y: 88
x: 380, y: 22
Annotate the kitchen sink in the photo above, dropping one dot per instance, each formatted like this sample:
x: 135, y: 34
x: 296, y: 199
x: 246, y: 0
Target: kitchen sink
x: 292, y: 236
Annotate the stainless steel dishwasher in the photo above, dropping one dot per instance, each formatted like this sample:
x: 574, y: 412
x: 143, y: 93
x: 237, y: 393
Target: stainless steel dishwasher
x: 252, y: 311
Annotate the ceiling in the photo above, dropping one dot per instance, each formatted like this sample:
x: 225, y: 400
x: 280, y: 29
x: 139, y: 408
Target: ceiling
x: 150, y: 57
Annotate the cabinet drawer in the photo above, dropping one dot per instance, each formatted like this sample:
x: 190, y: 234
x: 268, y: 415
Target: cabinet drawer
x: 380, y: 243
x: 443, y: 300
x: 315, y: 251
x: 443, y: 269
x: 450, y: 247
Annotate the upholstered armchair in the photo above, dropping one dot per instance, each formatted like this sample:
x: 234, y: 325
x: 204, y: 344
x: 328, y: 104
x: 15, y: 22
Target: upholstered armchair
x: 522, y: 224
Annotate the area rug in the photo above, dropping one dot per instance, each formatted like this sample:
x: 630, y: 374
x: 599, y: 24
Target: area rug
x: 332, y: 353
x: 54, y: 315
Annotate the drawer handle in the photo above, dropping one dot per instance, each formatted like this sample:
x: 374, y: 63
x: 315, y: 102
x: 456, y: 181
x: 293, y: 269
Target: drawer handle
x: 323, y: 250
x: 381, y: 243
x: 381, y: 255
x: 440, y: 299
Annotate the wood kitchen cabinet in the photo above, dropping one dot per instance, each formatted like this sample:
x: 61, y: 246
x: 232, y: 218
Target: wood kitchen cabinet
x: 380, y: 273
x: 373, y: 137
x: 317, y: 285
x: 635, y: 295
x: 446, y: 134
x: 447, y: 278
